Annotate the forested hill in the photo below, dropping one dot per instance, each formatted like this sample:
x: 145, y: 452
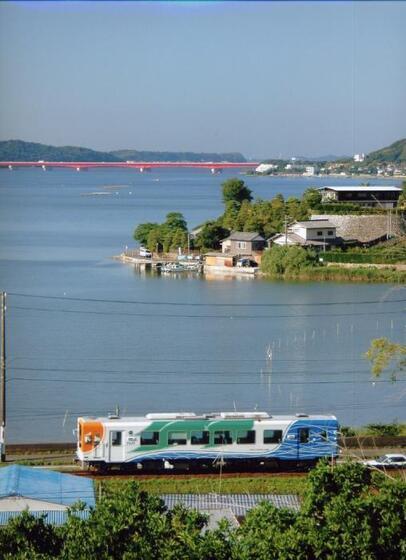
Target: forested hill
x: 395, y: 153
x: 136, y: 155
x: 18, y: 150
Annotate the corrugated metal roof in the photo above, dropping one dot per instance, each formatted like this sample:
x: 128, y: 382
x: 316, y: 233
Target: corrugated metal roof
x: 51, y: 517
x: 45, y: 485
x: 239, y: 504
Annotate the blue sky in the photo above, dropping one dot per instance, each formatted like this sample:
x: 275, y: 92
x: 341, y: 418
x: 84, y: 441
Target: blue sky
x: 266, y: 79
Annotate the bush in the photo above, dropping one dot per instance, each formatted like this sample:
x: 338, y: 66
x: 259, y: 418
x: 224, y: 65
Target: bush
x: 280, y: 260
x: 384, y: 429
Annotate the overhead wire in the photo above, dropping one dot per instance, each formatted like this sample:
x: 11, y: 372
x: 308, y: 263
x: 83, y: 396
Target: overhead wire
x: 205, y: 304
x: 202, y: 316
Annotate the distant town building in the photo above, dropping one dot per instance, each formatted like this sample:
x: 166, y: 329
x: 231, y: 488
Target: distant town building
x: 359, y: 158
x: 266, y: 167
x: 313, y: 233
x: 372, y: 196
x: 310, y: 170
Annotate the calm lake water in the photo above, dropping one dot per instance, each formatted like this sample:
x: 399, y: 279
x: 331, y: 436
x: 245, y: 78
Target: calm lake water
x: 187, y: 344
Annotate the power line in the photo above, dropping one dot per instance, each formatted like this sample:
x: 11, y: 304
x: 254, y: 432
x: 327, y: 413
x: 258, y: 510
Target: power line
x: 183, y: 360
x: 165, y: 372
x: 195, y: 304
x: 201, y: 316
x: 205, y: 383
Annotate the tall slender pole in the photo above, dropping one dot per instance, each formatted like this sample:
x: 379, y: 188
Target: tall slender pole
x: 3, y: 378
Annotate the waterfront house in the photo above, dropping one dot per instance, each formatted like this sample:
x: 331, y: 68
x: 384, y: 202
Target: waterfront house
x: 371, y: 196
x: 320, y: 233
x: 243, y: 243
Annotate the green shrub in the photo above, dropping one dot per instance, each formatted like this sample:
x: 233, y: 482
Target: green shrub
x: 280, y: 260
x: 384, y: 429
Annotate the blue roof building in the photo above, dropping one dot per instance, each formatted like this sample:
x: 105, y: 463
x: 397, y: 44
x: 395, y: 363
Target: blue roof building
x: 41, y: 490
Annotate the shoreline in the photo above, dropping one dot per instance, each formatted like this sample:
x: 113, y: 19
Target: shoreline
x: 331, y: 272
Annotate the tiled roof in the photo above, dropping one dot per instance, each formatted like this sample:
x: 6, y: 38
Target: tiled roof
x: 45, y: 485
x: 239, y: 504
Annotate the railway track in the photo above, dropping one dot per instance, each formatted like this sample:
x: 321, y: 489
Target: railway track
x: 187, y: 476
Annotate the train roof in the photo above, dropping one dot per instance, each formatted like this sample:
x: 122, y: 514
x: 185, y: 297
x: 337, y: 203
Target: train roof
x: 190, y: 416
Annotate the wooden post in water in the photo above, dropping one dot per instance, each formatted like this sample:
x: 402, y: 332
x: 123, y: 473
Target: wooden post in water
x: 3, y: 378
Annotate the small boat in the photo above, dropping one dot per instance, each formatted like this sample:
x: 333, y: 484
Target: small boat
x: 172, y: 267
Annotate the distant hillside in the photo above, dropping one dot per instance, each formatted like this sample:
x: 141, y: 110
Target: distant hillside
x: 136, y: 155
x: 395, y: 153
x: 18, y: 150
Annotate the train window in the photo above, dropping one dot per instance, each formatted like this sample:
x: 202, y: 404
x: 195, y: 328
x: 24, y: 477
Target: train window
x: 304, y: 435
x: 149, y: 438
x: 223, y: 437
x: 200, y: 438
x: 177, y: 438
x: 116, y: 438
x: 324, y: 435
x: 246, y: 436
x: 272, y: 436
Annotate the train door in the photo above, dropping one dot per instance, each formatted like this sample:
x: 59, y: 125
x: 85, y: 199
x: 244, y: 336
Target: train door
x: 116, y: 446
x: 303, y: 441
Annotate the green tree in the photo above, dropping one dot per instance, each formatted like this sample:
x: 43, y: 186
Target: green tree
x: 210, y: 235
x: 235, y: 190
x: 175, y: 221
x: 383, y: 353
x: 142, y: 231
x: 311, y: 197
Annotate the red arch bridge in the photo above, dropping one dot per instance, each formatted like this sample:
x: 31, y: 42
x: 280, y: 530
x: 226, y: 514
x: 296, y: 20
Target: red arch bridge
x: 214, y: 167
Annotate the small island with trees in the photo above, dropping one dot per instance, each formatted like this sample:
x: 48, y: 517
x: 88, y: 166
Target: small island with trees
x: 269, y: 217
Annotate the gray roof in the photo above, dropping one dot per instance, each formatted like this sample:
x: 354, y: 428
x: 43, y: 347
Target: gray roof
x: 244, y: 236
x: 309, y: 224
x: 239, y: 504
x: 358, y: 188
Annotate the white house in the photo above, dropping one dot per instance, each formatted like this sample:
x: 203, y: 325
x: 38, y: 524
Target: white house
x: 314, y: 233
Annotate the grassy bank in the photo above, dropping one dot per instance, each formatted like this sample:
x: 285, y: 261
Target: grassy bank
x: 230, y: 485
x: 337, y: 273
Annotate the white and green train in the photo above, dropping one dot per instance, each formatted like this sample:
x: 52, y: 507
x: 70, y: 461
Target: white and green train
x: 188, y: 439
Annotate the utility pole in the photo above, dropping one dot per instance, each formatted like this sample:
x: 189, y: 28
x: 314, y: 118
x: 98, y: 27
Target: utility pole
x: 286, y: 230
x: 3, y: 378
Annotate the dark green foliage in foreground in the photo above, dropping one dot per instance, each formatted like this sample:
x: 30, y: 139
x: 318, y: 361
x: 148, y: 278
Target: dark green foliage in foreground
x: 346, y: 514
